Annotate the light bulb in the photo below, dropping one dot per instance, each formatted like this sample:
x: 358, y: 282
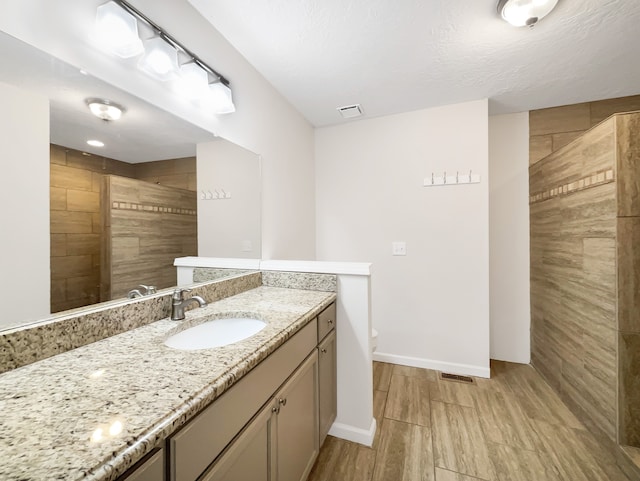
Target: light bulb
x: 525, y: 12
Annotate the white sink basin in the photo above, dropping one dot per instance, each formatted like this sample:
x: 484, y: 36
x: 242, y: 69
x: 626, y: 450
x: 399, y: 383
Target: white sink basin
x: 215, y: 333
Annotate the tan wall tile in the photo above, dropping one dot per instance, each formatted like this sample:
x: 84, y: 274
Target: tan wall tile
x: 81, y: 244
x: 539, y: 147
x: 629, y: 407
x: 57, y: 154
x: 70, y: 178
x: 63, y: 222
x: 629, y: 274
x: 602, y: 109
x: 568, y: 118
x: 58, y: 245
x: 58, y: 198
x: 71, y: 266
x: 83, y: 201
x: 562, y: 139
x: 628, y: 164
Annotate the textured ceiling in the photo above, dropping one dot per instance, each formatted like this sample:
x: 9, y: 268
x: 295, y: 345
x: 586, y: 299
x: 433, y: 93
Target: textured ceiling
x: 393, y: 56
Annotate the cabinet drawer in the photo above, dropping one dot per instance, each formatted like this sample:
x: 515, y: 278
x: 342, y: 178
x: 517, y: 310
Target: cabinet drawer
x: 195, y: 446
x: 326, y: 321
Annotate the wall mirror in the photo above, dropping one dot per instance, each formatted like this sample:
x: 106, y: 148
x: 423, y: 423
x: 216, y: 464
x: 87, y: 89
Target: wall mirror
x: 159, y: 188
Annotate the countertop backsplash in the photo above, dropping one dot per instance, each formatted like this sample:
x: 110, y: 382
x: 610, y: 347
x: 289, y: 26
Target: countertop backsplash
x: 27, y: 344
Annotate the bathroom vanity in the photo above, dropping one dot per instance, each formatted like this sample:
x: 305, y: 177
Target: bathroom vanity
x: 129, y: 407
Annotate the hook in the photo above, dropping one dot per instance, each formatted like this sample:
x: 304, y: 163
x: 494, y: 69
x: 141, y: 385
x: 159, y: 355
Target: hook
x: 432, y: 179
x: 456, y: 176
x: 209, y: 195
x: 445, y: 176
x: 469, y: 175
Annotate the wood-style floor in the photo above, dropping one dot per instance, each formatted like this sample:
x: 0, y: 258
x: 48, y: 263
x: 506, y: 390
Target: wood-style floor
x: 511, y: 427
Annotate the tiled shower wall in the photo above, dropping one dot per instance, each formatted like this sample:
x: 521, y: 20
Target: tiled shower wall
x: 146, y: 227
x: 551, y: 129
x: 584, y: 203
x: 75, y: 186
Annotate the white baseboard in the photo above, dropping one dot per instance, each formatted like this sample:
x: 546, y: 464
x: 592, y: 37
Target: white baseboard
x: 351, y: 433
x: 449, y: 367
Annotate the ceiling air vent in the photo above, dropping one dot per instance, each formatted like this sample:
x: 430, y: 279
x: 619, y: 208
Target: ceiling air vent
x: 350, y: 111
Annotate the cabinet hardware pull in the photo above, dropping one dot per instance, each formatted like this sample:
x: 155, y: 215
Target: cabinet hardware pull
x: 283, y: 402
x: 275, y: 410
x: 330, y: 321
x: 323, y: 351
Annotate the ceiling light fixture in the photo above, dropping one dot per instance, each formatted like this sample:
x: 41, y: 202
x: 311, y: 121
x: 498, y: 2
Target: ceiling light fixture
x: 105, y: 109
x: 95, y: 143
x: 520, y: 13
x: 117, y: 20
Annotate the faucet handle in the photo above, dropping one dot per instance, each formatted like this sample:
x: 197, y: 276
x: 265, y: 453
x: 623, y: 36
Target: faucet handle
x: 177, y: 293
x: 148, y: 289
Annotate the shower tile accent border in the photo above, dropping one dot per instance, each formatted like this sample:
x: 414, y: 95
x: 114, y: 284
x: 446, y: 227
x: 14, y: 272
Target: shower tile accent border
x: 592, y: 180
x: 151, y: 208
x: 301, y: 280
x: 27, y: 344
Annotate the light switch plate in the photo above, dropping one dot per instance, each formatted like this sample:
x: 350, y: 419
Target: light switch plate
x: 399, y: 248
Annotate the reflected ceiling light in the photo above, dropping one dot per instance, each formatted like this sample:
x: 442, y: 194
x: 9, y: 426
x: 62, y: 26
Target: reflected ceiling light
x: 221, y: 98
x: 520, y: 13
x: 192, y: 81
x: 105, y: 109
x: 160, y: 59
x: 117, y: 30
x: 95, y: 143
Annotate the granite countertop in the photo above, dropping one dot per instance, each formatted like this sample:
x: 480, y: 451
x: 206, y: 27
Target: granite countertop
x: 92, y: 412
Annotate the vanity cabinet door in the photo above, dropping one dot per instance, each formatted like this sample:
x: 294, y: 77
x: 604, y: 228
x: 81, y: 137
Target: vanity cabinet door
x: 296, y: 423
x: 327, y: 373
x: 249, y: 456
x: 150, y: 468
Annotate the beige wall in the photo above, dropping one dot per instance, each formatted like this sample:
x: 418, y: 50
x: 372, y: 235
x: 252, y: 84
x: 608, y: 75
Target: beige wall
x: 24, y: 196
x: 509, y: 237
x: 430, y: 307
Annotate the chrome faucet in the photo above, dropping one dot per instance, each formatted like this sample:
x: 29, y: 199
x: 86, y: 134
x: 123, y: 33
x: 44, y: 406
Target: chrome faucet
x: 178, y: 303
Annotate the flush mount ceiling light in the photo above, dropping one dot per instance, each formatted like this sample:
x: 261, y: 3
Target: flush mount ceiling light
x: 105, y: 109
x: 95, y: 143
x: 520, y: 13
x: 117, y: 28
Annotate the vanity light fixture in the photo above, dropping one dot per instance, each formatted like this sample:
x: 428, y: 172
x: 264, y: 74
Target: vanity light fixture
x: 520, y: 13
x: 117, y: 26
x: 95, y: 143
x: 192, y: 81
x: 105, y: 109
x: 117, y: 30
x: 160, y: 60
